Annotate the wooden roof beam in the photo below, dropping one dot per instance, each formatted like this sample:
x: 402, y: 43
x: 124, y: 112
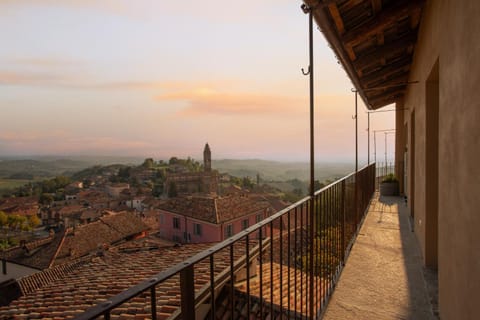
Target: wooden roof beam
x: 385, y: 72
x: 384, y: 18
x: 337, y: 18
x: 388, y: 93
x: 382, y: 51
x: 396, y: 81
x: 376, y: 104
x: 376, y: 6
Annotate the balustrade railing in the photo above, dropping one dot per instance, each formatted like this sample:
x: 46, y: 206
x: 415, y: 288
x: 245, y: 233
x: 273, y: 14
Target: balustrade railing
x: 285, y: 266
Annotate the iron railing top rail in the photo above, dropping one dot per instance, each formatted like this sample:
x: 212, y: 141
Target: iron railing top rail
x: 117, y: 300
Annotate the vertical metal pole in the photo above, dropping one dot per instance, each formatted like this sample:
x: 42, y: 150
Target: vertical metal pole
x: 356, y: 129
x: 385, y: 151
x: 310, y: 304
x: 368, y: 129
x: 312, y: 163
x: 4, y: 265
x: 343, y: 222
x: 187, y: 290
x: 356, y: 157
x: 153, y: 302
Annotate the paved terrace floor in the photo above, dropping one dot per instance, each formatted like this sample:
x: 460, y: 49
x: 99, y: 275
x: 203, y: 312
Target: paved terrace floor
x: 383, y: 277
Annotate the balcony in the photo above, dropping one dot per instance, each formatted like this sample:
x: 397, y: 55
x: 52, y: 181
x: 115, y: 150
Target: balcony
x: 285, y: 266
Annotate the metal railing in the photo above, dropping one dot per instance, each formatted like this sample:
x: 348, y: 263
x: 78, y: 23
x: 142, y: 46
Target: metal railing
x: 285, y: 266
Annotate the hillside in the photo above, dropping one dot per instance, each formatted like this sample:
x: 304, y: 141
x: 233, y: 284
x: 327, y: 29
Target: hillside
x: 281, y: 171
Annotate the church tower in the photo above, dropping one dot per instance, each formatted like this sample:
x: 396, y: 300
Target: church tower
x: 207, y: 159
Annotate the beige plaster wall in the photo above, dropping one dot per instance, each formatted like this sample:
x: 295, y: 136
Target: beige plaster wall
x: 450, y: 32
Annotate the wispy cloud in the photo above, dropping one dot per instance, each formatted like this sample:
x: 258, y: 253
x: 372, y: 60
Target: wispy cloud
x: 31, y: 78
x: 57, y: 142
x: 46, y: 62
x: 203, y: 100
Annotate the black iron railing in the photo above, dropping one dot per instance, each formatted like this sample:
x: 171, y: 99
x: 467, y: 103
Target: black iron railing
x: 285, y: 266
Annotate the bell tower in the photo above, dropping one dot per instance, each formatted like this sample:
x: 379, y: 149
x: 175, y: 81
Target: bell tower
x: 207, y: 159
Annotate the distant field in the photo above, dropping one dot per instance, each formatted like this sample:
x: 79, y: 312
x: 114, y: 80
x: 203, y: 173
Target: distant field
x: 12, y: 183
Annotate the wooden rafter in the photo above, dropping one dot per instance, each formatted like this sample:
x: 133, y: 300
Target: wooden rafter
x: 386, y: 72
x: 337, y: 19
x: 382, y: 51
x: 396, y: 81
x: 375, y: 104
x: 376, y: 6
x: 387, y: 94
x: 385, y: 18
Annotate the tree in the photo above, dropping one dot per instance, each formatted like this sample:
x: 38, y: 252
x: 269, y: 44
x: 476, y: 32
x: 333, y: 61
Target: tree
x: 172, y: 190
x: 148, y: 163
x: 3, y: 219
x: 46, y: 199
x: 33, y: 221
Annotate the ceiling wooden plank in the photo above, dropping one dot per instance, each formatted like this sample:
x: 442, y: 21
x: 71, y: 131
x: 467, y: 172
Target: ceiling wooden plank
x: 332, y: 7
x: 387, y: 94
x: 385, y: 18
x: 396, y: 81
x: 382, y: 51
x: 349, y: 5
x: 386, y: 71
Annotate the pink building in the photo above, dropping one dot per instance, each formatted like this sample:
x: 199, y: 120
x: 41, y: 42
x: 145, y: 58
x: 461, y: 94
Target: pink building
x: 210, y: 219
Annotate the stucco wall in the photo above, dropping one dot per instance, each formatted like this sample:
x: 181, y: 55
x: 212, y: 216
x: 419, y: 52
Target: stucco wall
x: 449, y: 32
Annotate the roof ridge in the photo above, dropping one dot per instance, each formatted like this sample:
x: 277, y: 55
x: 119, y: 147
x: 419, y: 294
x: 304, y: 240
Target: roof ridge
x: 59, y: 247
x: 31, y: 283
x: 217, y: 217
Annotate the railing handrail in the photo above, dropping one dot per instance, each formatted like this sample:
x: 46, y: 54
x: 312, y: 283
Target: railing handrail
x: 126, y: 295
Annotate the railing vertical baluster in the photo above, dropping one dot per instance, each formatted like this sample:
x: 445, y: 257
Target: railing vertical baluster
x: 343, y: 222
x: 295, y: 257
x: 106, y: 315
x: 323, y: 245
x: 281, y: 266
x: 317, y: 252
x: 232, y: 282
x: 329, y: 238
x: 271, y: 269
x: 187, y: 291
x: 260, y: 261
x: 212, y: 287
x: 247, y: 265
x: 153, y: 302
x: 288, y: 262
x: 302, y: 243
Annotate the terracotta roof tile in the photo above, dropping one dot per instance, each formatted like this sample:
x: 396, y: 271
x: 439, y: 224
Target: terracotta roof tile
x: 97, y: 278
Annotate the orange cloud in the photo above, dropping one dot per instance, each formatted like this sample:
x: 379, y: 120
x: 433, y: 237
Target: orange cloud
x: 204, y: 100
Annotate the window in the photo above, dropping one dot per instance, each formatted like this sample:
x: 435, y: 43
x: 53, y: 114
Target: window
x: 197, y: 229
x: 244, y: 224
x: 258, y: 218
x: 228, y: 231
x: 176, y: 223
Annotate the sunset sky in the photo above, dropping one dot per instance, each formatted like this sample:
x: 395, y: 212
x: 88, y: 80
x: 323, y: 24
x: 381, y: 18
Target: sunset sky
x: 162, y: 78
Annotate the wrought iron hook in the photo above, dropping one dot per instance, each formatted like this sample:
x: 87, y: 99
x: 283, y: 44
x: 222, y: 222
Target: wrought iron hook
x: 306, y: 73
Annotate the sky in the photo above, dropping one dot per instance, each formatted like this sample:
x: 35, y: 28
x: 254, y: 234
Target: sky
x: 162, y: 78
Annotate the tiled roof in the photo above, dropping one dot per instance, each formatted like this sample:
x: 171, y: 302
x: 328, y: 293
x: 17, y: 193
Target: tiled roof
x: 215, y: 209
x: 97, y: 278
x: 39, y: 257
x: 107, y: 230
